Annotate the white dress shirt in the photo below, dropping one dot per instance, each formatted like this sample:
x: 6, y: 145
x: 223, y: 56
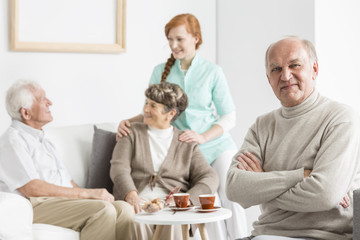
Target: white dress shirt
x: 26, y: 155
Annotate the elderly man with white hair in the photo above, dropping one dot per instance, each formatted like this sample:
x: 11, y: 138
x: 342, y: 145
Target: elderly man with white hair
x: 30, y: 167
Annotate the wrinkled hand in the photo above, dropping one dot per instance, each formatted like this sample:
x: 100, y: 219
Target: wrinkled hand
x: 98, y: 193
x: 345, y: 202
x: 189, y: 136
x: 123, y: 129
x: 133, y: 199
x: 169, y: 200
x: 307, y: 172
x: 249, y: 162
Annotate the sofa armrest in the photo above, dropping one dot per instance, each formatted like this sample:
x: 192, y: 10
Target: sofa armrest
x: 356, y: 226
x: 16, y: 217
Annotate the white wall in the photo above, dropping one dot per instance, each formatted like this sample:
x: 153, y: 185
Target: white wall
x: 89, y: 88
x: 337, y: 34
x: 245, y: 29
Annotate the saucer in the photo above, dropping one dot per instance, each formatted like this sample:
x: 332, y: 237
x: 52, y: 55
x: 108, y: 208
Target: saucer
x: 199, y: 209
x: 174, y: 208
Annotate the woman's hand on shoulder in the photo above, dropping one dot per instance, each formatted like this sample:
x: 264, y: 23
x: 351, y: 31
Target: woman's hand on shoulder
x: 123, y: 129
x: 189, y: 136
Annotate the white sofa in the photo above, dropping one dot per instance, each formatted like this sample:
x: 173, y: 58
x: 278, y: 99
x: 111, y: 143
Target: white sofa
x: 74, y: 144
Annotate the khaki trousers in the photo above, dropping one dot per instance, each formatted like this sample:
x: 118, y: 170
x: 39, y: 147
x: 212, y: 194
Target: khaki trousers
x: 94, y: 219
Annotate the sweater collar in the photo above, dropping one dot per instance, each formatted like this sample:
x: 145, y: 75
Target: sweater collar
x: 302, y: 108
x: 161, y: 132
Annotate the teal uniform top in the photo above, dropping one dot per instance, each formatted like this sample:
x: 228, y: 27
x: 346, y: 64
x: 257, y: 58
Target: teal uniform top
x: 206, y: 88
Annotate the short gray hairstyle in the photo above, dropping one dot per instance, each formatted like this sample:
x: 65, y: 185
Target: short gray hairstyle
x: 309, y: 46
x: 171, y: 95
x: 20, y: 95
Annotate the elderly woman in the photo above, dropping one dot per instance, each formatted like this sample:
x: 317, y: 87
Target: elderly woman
x: 151, y: 161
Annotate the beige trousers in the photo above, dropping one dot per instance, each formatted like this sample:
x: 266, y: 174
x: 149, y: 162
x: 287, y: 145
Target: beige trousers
x: 94, y: 219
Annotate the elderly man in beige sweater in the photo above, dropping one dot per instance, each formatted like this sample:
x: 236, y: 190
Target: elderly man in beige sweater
x: 301, y: 161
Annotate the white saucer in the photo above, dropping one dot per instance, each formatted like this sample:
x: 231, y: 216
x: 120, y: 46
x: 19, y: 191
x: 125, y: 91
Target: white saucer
x: 174, y: 208
x: 199, y: 209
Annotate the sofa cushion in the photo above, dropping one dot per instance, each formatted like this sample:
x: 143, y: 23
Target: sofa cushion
x: 356, y: 232
x: 73, y: 145
x: 102, y: 147
x: 46, y: 232
x: 16, y: 216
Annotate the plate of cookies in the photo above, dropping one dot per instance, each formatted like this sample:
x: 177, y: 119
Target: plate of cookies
x: 153, y: 207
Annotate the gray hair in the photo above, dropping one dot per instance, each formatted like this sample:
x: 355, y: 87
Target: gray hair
x: 20, y: 95
x: 309, y: 46
x: 170, y: 95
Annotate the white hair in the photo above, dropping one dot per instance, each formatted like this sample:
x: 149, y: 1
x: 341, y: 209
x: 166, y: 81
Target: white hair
x: 20, y: 95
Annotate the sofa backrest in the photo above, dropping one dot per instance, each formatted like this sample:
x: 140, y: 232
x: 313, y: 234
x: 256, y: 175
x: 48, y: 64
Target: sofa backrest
x: 73, y: 144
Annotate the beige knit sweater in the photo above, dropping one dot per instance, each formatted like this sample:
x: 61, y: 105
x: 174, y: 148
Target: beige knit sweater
x: 185, y: 166
x: 318, y: 134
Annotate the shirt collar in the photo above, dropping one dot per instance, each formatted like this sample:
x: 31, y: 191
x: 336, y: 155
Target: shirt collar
x: 38, y: 134
x: 193, y: 63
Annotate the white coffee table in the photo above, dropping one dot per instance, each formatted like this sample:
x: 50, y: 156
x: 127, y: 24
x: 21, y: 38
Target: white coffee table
x: 167, y: 217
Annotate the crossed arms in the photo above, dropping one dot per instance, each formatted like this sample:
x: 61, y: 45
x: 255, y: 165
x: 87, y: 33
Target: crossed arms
x: 308, y: 182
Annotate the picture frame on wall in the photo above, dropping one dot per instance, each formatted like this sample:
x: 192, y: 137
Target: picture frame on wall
x: 84, y: 26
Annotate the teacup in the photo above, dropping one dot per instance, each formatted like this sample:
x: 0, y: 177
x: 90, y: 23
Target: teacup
x: 207, y: 201
x: 181, y: 199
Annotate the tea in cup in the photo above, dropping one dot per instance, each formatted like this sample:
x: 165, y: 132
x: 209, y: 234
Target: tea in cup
x: 181, y: 199
x: 207, y: 201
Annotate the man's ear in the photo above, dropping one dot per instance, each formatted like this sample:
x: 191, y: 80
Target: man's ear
x: 315, y: 70
x: 25, y: 113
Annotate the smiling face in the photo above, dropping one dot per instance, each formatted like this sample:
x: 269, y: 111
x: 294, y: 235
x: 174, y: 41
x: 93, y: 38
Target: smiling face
x: 155, y: 116
x: 182, y: 43
x: 39, y: 114
x: 291, y: 72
